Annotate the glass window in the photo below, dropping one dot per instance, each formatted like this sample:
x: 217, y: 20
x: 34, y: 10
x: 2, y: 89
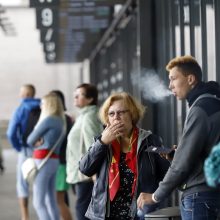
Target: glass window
x: 211, y: 47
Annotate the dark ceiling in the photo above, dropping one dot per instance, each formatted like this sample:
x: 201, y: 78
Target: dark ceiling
x: 71, y: 29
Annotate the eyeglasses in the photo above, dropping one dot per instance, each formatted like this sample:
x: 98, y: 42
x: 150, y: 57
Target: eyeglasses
x: 119, y: 113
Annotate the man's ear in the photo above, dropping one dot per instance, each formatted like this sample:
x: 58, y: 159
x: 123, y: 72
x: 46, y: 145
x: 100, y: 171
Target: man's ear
x: 191, y: 79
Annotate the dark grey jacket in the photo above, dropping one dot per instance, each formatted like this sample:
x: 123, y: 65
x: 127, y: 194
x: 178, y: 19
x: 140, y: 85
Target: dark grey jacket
x: 201, y: 132
x: 151, y: 170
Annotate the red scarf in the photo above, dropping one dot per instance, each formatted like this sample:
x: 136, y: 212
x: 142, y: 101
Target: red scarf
x: 131, y: 161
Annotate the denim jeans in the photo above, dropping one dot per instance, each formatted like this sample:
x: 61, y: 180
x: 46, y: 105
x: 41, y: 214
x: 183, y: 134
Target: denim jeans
x: 44, y: 192
x: 200, y: 206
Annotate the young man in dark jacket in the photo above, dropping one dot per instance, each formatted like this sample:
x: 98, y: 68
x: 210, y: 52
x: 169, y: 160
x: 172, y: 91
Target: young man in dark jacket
x: 200, y: 133
x: 15, y: 133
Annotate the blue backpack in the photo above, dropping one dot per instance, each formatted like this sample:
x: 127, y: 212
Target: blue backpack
x: 212, y: 167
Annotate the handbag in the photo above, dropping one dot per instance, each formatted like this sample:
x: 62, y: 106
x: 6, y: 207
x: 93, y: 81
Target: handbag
x: 29, y: 168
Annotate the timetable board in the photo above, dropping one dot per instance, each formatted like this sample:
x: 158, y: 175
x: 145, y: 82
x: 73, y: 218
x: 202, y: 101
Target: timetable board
x: 70, y: 29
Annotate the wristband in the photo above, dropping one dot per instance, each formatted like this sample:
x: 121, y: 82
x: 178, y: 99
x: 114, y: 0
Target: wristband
x: 154, y: 198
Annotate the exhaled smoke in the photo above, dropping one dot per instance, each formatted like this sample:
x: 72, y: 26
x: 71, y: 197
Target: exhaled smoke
x: 152, y: 87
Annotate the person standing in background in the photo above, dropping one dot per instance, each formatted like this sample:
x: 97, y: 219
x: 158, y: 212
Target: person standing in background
x: 61, y: 185
x: 79, y: 140
x: 49, y: 132
x: 15, y: 133
x: 200, y: 133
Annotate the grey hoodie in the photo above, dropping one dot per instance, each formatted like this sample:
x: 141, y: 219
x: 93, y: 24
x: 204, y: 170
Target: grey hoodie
x: 200, y: 133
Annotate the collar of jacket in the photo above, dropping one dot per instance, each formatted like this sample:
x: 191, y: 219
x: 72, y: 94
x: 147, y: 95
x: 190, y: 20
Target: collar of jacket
x: 88, y: 108
x: 210, y: 87
x: 143, y: 134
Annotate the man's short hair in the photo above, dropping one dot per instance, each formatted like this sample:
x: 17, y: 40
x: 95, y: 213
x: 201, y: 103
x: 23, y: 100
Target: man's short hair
x: 187, y: 65
x: 30, y: 90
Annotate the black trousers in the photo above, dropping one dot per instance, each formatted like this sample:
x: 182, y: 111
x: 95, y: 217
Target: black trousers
x: 83, y: 197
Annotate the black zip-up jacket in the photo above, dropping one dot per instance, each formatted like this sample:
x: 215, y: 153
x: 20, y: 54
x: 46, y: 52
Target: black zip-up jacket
x: 151, y: 170
x: 200, y: 133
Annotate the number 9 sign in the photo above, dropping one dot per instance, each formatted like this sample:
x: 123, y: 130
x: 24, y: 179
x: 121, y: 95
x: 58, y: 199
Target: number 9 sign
x: 47, y: 18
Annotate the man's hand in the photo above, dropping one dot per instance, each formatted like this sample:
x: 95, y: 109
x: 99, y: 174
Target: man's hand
x: 170, y: 155
x: 144, y: 198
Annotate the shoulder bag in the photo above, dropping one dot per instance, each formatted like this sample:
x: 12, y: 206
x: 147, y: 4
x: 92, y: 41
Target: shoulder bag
x: 29, y: 168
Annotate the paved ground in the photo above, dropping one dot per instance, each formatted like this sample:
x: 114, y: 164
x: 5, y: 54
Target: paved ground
x: 8, y: 201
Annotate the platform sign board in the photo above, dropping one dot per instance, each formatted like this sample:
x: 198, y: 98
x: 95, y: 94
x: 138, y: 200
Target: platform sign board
x: 70, y: 29
x: 49, y: 34
x: 44, y: 3
x: 47, y: 18
x: 72, y: 3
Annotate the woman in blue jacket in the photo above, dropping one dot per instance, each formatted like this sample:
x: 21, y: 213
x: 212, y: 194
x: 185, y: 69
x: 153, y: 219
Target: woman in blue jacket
x: 120, y: 161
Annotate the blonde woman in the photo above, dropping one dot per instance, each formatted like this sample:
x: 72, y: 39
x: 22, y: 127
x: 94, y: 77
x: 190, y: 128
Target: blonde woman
x: 44, y: 136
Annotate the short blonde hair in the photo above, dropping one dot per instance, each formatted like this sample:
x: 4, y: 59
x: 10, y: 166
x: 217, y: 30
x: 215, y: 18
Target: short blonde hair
x: 187, y: 65
x: 136, y: 109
